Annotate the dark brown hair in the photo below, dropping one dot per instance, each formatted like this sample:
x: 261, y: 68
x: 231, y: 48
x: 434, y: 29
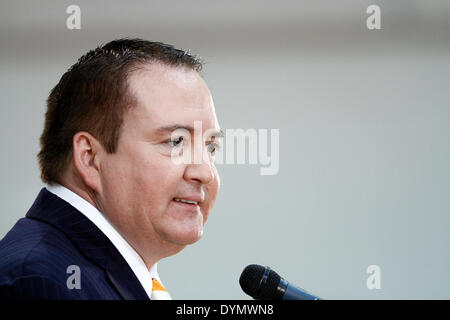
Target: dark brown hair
x: 93, y: 96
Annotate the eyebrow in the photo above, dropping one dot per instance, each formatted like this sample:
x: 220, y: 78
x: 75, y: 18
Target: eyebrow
x: 165, y: 129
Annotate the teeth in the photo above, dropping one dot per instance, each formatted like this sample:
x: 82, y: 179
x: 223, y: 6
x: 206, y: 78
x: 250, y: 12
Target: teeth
x: 186, y: 201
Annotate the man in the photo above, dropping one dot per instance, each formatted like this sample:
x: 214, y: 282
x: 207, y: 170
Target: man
x: 116, y: 200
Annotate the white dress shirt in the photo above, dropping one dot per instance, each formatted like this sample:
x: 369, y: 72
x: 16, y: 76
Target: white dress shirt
x: 130, y: 255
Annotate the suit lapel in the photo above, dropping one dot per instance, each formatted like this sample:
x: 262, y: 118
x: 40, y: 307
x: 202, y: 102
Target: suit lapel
x: 91, y: 241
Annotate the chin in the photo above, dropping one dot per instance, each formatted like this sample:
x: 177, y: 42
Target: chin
x: 186, y: 238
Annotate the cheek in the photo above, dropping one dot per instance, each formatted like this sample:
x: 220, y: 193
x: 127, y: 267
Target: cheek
x: 114, y: 172
x: 146, y: 166
x: 158, y: 178
x: 140, y: 177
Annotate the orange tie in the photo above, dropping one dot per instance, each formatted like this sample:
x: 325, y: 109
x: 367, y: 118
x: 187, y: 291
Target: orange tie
x: 159, y: 292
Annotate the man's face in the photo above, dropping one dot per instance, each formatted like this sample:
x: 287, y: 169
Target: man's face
x: 140, y: 181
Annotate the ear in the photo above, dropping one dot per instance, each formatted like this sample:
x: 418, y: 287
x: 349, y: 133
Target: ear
x: 86, y: 158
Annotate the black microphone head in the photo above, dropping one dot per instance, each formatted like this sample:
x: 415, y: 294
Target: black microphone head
x: 252, y: 282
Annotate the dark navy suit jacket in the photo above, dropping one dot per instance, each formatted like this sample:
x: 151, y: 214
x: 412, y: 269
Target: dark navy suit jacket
x: 36, y: 255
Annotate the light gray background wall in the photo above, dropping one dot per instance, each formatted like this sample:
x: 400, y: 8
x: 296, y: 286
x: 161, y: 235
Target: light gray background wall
x: 364, y: 119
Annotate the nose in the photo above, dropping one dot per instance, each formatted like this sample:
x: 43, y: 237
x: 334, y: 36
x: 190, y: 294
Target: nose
x: 202, y: 172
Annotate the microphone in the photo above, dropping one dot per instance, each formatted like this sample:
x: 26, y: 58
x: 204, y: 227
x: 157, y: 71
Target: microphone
x: 263, y: 283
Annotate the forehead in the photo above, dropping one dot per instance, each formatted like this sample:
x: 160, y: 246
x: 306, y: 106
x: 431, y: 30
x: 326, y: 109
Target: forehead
x: 166, y: 95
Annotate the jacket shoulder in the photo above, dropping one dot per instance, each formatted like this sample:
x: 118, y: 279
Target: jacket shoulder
x: 37, y: 263
x: 34, y: 247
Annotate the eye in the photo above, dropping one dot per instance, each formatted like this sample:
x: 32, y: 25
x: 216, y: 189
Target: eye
x: 176, y: 142
x: 213, y: 147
